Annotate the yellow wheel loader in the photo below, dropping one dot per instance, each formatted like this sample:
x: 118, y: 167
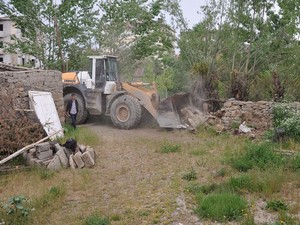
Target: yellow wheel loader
x: 99, y: 91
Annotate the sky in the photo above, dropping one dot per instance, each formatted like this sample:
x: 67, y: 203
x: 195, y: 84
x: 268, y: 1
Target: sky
x: 190, y: 9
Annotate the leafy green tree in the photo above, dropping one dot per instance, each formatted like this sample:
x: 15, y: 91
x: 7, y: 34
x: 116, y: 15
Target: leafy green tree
x: 49, y: 29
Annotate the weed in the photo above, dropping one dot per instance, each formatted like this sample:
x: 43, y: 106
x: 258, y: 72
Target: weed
x: 295, y: 163
x: 198, y: 152
x: 276, y: 205
x: 53, y: 194
x: 189, y: 176
x: 45, y: 174
x: 16, y: 210
x: 169, y: 147
x: 261, y: 156
x: 221, y: 173
x: 284, y: 218
x: 222, y: 207
x: 96, y: 220
x: 144, y: 213
x: 115, y: 217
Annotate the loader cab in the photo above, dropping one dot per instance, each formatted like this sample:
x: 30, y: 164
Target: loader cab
x: 104, y: 73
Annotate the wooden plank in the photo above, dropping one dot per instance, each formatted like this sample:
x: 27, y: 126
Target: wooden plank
x: 27, y: 147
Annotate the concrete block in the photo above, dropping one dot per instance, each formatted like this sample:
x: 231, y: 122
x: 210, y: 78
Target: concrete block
x: 63, y: 158
x: 87, y: 159
x: 57, y: 147
x: 92, y: 152
x: 54, y: 163
x: 67, y: 152
x: 71, y: 162
x: 42, y: 147
x: 44, y: 154
x: 78, y: 160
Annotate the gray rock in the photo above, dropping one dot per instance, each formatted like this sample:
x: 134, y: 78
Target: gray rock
x: 78, y: 160
x: 54, y: 163
x: 44, y: 154
x: 87, y: 159
x: 42, y: 147
x: 63, y: 158
x: 82, y: 148
x: 71, y: 162
x: 67, y: 152
x: 57, y: 147
x: 29, y: 157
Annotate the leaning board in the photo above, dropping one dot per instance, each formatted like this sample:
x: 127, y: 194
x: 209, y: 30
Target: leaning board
x: 43, y: 105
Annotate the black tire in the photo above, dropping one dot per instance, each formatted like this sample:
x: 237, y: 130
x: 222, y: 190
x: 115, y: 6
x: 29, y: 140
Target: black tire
x: 82, y: 111
x: 126, y: 112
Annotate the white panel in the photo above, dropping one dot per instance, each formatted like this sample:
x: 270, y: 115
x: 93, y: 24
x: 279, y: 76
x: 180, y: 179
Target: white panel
x: 44, y: 107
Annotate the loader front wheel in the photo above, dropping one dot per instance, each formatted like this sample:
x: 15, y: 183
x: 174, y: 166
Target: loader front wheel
x: 126, y: 112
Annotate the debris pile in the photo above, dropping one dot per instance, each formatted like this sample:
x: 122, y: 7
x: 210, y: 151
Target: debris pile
x: 194, y: 118
x: 53, y: 156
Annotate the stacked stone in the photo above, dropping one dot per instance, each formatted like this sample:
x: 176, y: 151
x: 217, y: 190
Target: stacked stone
x: 257, y: 115
x: 56, y: 157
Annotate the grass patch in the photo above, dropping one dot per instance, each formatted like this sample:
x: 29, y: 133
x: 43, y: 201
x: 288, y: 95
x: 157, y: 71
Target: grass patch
x: 45, y: 174
x: 222, y: 207
x: 259, y: 156
x: 168, y: 147
x: 198, y: 152
x: 276, y: 205
x: 54, y: 193
x: 96, y: 220
x: 189, y: 176
x: 82, y: 135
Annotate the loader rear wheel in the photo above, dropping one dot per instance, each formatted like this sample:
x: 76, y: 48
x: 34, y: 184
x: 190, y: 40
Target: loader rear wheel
x: 82, y: 111
x: 126, y: 112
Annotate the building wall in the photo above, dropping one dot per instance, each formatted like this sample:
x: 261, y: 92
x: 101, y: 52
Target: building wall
x: 14, y: 87
x: 9, y: 29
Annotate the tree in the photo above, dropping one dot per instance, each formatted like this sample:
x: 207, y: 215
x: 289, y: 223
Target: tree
x: 49, y: 29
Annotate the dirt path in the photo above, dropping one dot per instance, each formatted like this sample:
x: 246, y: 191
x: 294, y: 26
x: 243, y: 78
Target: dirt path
x: 134, y: 182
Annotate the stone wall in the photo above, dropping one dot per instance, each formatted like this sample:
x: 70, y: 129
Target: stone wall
x: 256, y: 114
x: 14, y: 87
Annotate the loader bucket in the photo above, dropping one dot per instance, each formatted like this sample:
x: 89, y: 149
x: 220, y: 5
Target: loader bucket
x: 168, y: 112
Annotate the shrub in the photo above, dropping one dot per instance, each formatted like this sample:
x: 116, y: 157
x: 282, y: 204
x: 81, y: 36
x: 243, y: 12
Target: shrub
x: 96, y: 220
x: 261, y: 156
x: 287, y: 118
x: 222, y: 207
x: 205, y: 189
x: 276, y: 205
x: 295, y: 163
x: 169, y: 148
x: 189, y: 176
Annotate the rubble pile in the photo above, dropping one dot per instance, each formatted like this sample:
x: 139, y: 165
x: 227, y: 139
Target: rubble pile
x: 53, y: 156
x: 193, y: 117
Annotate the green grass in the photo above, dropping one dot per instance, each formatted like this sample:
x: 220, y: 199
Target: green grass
x: 96, y: 220
x: 222, y: 207
x: 46, y: 200
x: 276, y: 205
x: 168, y: 147
x: 260, y: 156
x: 82, y: 135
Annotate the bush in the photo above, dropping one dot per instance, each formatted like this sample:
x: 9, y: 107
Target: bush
x: 261, y: 156
x: 276, y: 205
x: 222, y: 207
x: 287, y: 118
x: 96, y: 220
x: 169, y: 148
